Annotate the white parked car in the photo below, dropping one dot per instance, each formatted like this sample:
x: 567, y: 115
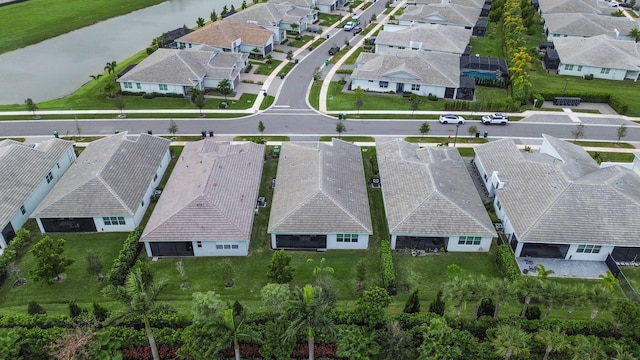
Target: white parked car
x: 451, y: 119
x: 496, y: 118
x: 350, y: 25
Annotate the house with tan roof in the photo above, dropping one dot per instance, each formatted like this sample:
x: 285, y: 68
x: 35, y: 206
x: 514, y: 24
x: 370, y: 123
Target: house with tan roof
x: 208, y: 206
x: 588, y: 25
x: 320, y: 198
x: 227, y: 36
x: 425, y: 37
x: 418, y: 72
x: 559, y: 203
x: 323, y: 6
x: 27, y: 173
x: 602, y: 56
x: 430, y: 200
x: 108, y: 187
x: 444, y: 14
x: 174, y: 71
x: 277, y: 18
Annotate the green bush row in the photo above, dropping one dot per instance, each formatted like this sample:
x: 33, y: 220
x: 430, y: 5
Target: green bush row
x: 15, y: 249
x: 507, y: 262
x: 615, y: 101
x: 126, y: 259
x: 490, y: 105
x: 388, y: 270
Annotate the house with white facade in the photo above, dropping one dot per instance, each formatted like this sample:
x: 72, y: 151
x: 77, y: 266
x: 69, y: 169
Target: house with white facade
x: 418, y: 72
x: 559, y: 203
x: 323, y: 6
x: 574, y: 6
x: 208, y: 206
x: 277, y: 18
x: 602, y: 56
x: 425, y: 37
x: 430, y: 200
x: 444, y: 14
x: 108, y: 187
x: 228, y: 36
x: 586, y: 25
x: 27, y: 173
x: 176, y: 71
x: 320, y: 198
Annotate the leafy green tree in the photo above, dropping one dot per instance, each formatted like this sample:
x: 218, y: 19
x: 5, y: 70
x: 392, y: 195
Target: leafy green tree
x: 599, y: 298
x: 290, y: 55
x: 244, y: 4
x: 440, y: 342
x: 119, y: 102
x: 275, y: 344
x: 295, y: 27
x: 94, y: 263
x: 200, y: 22
x: 34, y: 308
x: 224, y: 87
x: 49, y: 260
x: 424, y: 129
x: 510, y: 341
x: 359, y: 95
x: 414, y: 102
x: 111, y: 88
x: 586, y: 348
x: 225, y: 10
x: 173, y: 127
x: 412, y: 305
x: 255, y: 52
x: 578, y: 132
x: 213, y: 16
x: 454, y: 271
x: 10, y: 343
x: 232, y: 9
x: 361, y: 273
x: 370, y: 308
x: 308, y: 312
x: 356, y: 343
x: 280, y: 270
x: 274, y: 296
x: 437, y: 306
x: 621, y: 132
x: 139, y: 297
x: 261, y: 129
x: 31, y: 106
x: 340, y: 128
x: 609, y: 281
x: 227, y: 271
x: 626, y: 315
x: 472, y: 130
x: 553, y: 340
x: 322, y: 269
x: 200, y: 101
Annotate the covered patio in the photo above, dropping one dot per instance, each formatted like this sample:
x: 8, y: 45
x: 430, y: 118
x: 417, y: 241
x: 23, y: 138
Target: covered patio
x: 563, y: 268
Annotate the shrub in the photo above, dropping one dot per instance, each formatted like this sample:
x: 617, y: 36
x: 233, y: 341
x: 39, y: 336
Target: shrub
x: 432, y: 97
x: 149, y: 95
x: 35, y: 308
x: 437, y: 306
x: 388, y: 270
x: 507, y: 263
x: 126, y: 259
x: 75, y: 310
x: 540, y: 100
x: 100, y: 312
x: 248, y: 68
x: 533, y: 313
x: 14, y: 250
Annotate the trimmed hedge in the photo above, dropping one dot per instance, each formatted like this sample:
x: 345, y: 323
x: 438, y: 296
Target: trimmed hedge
x: 615, y: 101
x: 507, y: 262
x: 388, y: 270
x: 14, y: 250
x: 126, y: 259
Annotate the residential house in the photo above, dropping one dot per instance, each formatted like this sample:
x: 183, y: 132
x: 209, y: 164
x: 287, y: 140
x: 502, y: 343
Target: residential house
x: 419, y: 72
x: 27, y: 173
x: 430, y: 200
x: 167, y: 39
x: 323, y: 6
x: 444, y: 14
x: 320, y: 198
x: 574, y: 6
x: 559, y: 203
x: 437, y: 38
x: 469, y: 3
x: 480, y: 67
x: 602, y: 56
x: 108, y: 188
x: 171, y: 71
x: 228, y: 36
x: 277, y: 18
x: 587, y: 25
x: 208, y: 206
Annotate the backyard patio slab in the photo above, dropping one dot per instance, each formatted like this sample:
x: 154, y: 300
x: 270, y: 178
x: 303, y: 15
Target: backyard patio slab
x: 564, y: 268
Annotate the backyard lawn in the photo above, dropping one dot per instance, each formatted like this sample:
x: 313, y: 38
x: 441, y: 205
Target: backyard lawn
x: 633, y: 275
x: 338, y: 100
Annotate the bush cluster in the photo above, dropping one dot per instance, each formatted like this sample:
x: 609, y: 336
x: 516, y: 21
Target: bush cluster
x: 507, y: 262
x: 388, y: 270
x: 126, y: 259
x: 507, y: 105
x: 15, y: 249
x: 615, y: 101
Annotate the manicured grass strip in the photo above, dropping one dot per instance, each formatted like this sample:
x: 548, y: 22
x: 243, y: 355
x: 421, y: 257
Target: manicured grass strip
x: 349, y: 138
x: 438, y: 140
x: 258, y: 139
x: 266, y: 69
x: 605, y: 144
x: 328, y: 19
x: 314, y: 95
x: 337, y: 100
x: 612, y: 156
x: 489, y: 45
x: 32, y: 21
x: 299, y: 43
x: 633, y: 275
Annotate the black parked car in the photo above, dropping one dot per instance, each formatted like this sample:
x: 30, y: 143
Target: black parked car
x: 334, y: 50
x: 357, y: 30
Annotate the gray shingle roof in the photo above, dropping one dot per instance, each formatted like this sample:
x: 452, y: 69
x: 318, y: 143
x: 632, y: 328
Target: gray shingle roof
x: 420, y: 67
x: 598, y: 51
x: 18, y: 180
x: 553, y: 198
x: 429, y: 191
x: 211, y: 194
x: 109, y: 178
x: 574, y: 6
x: 185, y: 67
x: 441, y: 14
x: 579, y: 24
x: 299, y: 3
x: 470, y: 3
x: 270, y: 14
x: 224, y: 33
x: 429, y: 37
x: 320, y: 188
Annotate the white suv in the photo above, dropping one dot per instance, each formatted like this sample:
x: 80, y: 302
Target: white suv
x: 350, y: 25
x: 491, y: 119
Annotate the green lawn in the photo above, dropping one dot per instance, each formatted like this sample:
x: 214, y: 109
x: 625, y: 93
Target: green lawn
x: 328, y: 19
x: 613, y: 156
x: 491, y: 45
x: 32, y: 21
x: 462, y: 138
x: 299, y: 43
x: 266, y: 69
x: 349, y: 138
x: 633, y: 275
x: 257, y: 138
x: 337, y: 100
x: 605, y: 144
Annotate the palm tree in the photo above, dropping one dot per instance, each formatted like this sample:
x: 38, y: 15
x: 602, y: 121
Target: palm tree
x: 295, y: 27
x: 553, y: 295
x: 452, y: 293
x: 543, y: 272
x: 609, y: 281
x: 575, y: 295
x: 502, y: 290
x: 475, y: 290
x: 261, y: 129
x: 224, y: 87
x: 528, y: 288
x: 599, y: 299
x: 635, y: 34
x: 235, y: 329
x: 552, y: 340
x: 95, y: 77
x: 308, y: 311
x: 509, y: 341
x: 110, y: 67
x: 586, y: 348
x: 138, y: 295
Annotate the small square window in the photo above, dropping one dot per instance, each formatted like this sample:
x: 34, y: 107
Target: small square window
x: 199, y: 244
x: 23, y: 210
x: 49, y: 177
x: 163, y: 87
x: 138, y: 86
x: 128, y: 85
x: 383, y: 84
x: 218, y: 247
x: 234, y: 247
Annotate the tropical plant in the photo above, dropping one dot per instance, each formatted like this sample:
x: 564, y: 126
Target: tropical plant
x: 528, y: 288
x: 452, y: 293
x: 510, y: 341
x: 49, y: 260
x: 244, y: 4
x: 234, y: 329
x: 308, y: 312
x: 224, y: 87
x: 213, y: 16
x: 396, y: 343
x: 110, y: 67
x: 586, y: 348
x: 635, y: 34
x: 321, y: 269
x: 609, y: 281
x: 543, y: 272
x: 295, y: 27
x: 553, y: 340
x: 503, y: 290
x: 340, y: 128
x: 274, y: 296
x: 200, y: 22
x: 575, y: 296
x: 95, y: 77
x: 111, y: 88
x: 599, y: 299
x: 139, y: 296
x: 370, y: 308
x: 357, y: 343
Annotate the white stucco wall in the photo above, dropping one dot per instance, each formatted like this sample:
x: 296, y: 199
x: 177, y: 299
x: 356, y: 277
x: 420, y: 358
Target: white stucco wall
x: 578, y: 70
x: 209, y: 248
x: 485, y: 245
x: 572, y: 254
x: 128, y: 226
x: 332, y: 243
x: 374, y: 85
x: 141, y: 87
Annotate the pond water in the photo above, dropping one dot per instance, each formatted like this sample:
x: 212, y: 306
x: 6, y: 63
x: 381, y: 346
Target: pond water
x: 56, y: 67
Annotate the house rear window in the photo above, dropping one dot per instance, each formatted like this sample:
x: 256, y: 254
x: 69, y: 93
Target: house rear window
x: 384, y: 84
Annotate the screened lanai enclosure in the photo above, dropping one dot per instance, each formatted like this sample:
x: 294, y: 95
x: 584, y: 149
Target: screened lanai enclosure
x: 484, y: 68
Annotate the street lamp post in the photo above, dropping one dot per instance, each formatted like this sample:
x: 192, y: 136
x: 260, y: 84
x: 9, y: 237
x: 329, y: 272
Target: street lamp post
x: 455, y: 140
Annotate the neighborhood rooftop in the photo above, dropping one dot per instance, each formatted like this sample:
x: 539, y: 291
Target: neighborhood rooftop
x: 224, y: 33
x: 110, y: 177
x: 441, y: 14
x: 432, y: 37
x: 211, y: 194
x: 320, y: 188
x: 602, y: 51
x: 580, y: 24
x: 429, y: 191
x: 562, y: 195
